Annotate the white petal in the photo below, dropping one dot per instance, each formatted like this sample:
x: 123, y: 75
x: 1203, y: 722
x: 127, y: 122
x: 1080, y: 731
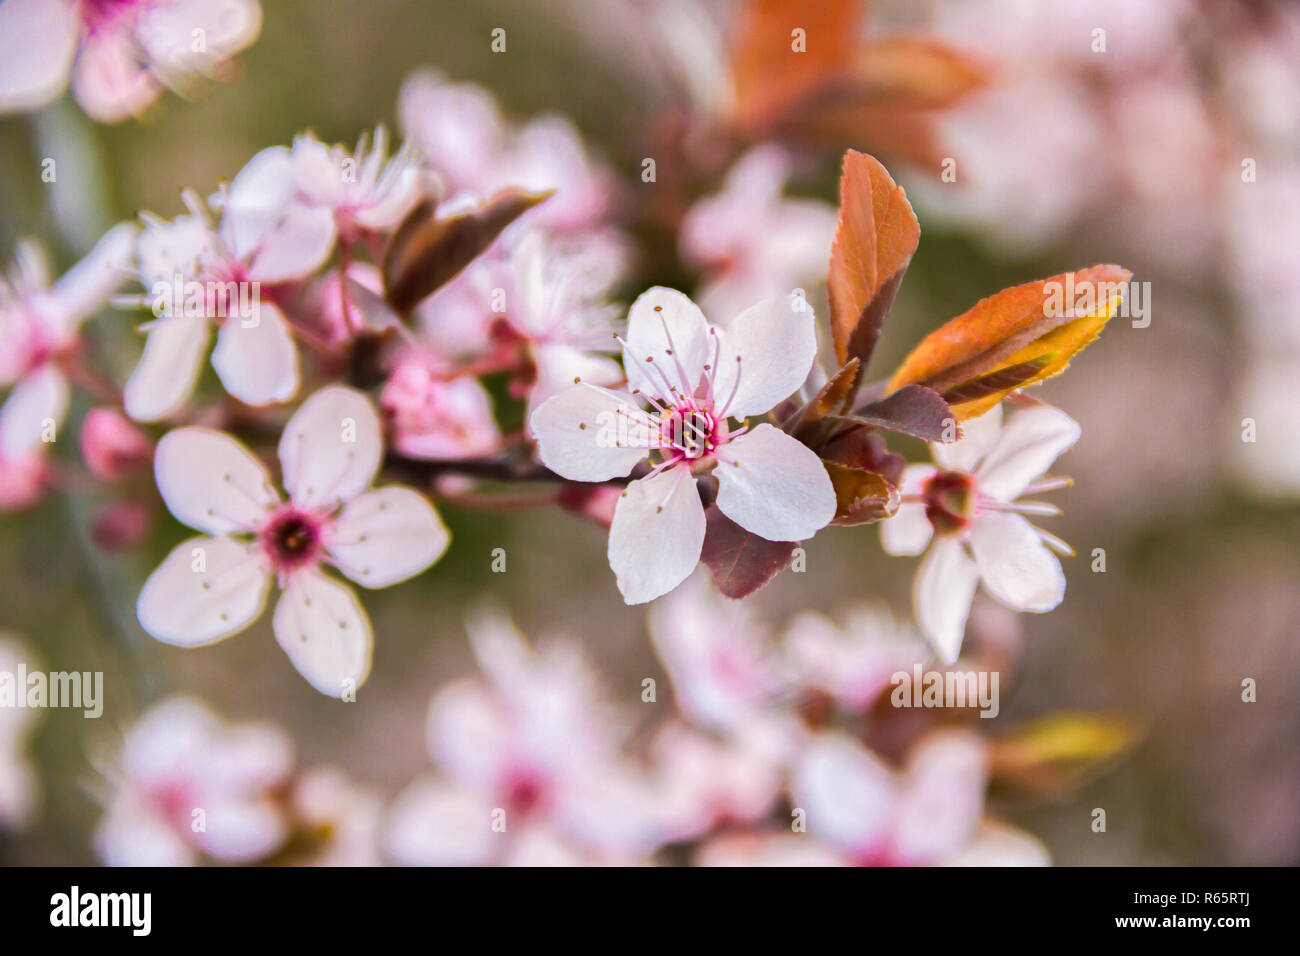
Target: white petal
x: 188, y: 607
x: 132, y: 834
x: 909, y: 530
x: 256, y: 358
x: 325, y: 631
x: 108, y: 79
x: 668, y: 330
x: 559, y: 365
x: 1017, y: 567
x: 656, y: 536
x: 941, y: 595
x: 773, y: 485
x: 943, y: 797
x: 211, y: 482
x: 185, y: 247
x: 296, y: 246
x: 770, y: 347
x: 36, y: 403
x: 168, y: 370
x: 1030, y: 442
x: 588, y: 433
x: 256, y: 199
x: 85, y: 287
x: 434, y: 824
x: 332, y: 447
x: 848, y: 794
x: 385, y: 536
x: 239, y: 829
x: 997, y: 844
x: 38, y: 39
x: 978, y: 436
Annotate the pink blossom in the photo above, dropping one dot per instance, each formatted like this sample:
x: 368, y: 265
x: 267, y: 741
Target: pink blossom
x: 531, y: 768
x: 209, y: 588
x: 966, y: 510
x: 696, y: 377
x: 438, y: 418
x: 186, y: 785
x: 120, y: 54
x: 750, y: 242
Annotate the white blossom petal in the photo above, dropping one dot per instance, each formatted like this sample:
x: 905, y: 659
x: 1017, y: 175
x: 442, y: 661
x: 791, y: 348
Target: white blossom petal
x: 325, y: 631
x: 256, y: 199
x: 589, y: 433
x: 85, y: 287
x: 332, y: 447
x: 775, y: 486
x: 38, y: 39
x: 668, y: 330
x: 943, y: 798
x: 168, y: 370
x: 848, y: 794
x: 657, y: 534
x: 385, y: 536
x: 132, y: 834
x: 256, y: 357
x: 296, y: 245
x: 767, y: 352
x: 37, y: 402
x: 942, y: 593
x: 978, y: 436
x: 997, y: 844
x: 909, y: 530
x: 241, y: 829
x: 1032, y: 439
x: 211, y: 482
x: 207, y: 589
x: 434, y: 824
x: 1017, y: 567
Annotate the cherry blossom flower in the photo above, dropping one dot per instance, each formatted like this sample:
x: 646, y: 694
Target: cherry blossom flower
x: 966, y: 510
x: 120, y: 54
x: 266, y: 236
x: 40, y: 324
x: 187, y: 785
x: 752, y: 243
x: 211, y: 587
x: 19, y: 789
x: 851, y: 662
x: 930, y: 812
x: 696, y: 377
x: 459, y: 128
x: 531, y: 765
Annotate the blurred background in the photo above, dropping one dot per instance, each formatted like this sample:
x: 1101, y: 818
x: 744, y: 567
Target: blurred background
x: 1068, y: 156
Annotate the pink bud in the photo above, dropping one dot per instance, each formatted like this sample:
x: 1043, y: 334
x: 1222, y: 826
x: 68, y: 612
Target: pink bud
x: 438, y: 419
x: 121, y: 525
x: 112, y: 446
x: 595, y: 502
x: 22, y: 481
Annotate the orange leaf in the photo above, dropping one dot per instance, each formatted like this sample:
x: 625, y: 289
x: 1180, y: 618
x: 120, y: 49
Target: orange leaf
x: 769, y: 72
x: 1043, y: 322
x: 875, y: 238
x: 921, y: 72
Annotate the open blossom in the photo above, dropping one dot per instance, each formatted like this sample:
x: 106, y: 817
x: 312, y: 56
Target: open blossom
x: 18, y: 784
x: 120, y: 54
x: 531, y: 768
x: 966, y: 511
x: 39, y: 326
x: 209, y: 588
x: 459, y: 128
x: 187, y: 785
x: 851, y: 662
x: 198, y: 276
x: 697, y: 378
x: 930, y: 812
x: 750, y: 241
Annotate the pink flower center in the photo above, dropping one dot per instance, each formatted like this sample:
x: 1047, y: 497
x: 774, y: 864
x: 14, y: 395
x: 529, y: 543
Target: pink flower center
x: 292, y: 539
x: 101, y: 15
x: 949, y: 501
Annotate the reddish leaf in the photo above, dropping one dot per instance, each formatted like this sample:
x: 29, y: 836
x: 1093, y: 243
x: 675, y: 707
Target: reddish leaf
x: 913, y: 410
x: 917, y: 71
x: 860, y: 447
x: 740, y: 561
x: 806, y: 423
x: 875, y: 238
x: 426, y: 251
